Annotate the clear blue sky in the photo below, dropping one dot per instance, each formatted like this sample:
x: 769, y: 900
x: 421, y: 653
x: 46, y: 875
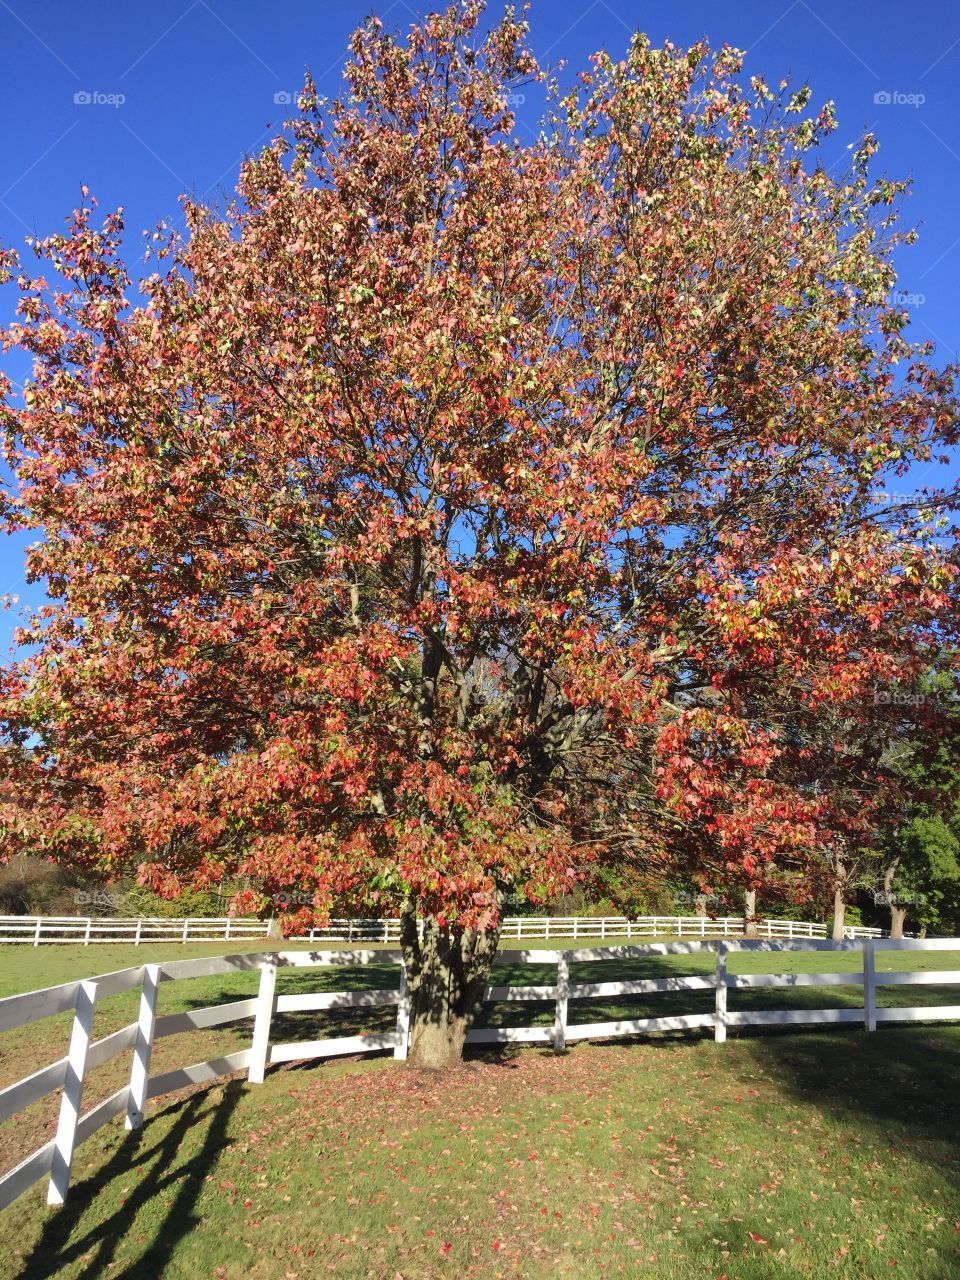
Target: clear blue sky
x: 198, y: 80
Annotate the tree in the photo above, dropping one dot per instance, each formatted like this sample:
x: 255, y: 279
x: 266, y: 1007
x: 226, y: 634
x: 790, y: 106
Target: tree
x: 919, y: 857
x: 456, y: 512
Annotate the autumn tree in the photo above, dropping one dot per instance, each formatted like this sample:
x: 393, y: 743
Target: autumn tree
x: 462, y: 507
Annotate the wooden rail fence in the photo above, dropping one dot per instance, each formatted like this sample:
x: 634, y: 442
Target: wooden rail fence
x: 87, y: 930
x: 84, y: 1054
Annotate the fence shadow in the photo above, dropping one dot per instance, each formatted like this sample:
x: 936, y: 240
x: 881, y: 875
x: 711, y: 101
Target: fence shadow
x: 160, y: 1169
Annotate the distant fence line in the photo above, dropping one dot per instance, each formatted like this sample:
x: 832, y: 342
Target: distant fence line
x: 55, y: 1158
x: 94, y: 929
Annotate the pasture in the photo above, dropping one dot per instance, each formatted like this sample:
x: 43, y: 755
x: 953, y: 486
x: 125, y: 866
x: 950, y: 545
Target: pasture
x: 803, y: 1152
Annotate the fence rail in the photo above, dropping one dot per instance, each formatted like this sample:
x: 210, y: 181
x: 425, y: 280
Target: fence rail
x: 93, y: 929
x: 537, y: 927
x: 88, y: 930
x: 84, y: 1054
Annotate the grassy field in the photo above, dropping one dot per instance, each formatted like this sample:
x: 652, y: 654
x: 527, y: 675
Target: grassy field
x: 804, y: 1153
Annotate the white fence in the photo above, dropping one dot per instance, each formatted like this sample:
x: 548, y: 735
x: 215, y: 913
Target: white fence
x: 54, y: 1159
x: 576, y: 927
x: 93, y: 929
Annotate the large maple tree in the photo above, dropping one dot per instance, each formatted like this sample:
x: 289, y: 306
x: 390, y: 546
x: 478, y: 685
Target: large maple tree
x: 462, y: 505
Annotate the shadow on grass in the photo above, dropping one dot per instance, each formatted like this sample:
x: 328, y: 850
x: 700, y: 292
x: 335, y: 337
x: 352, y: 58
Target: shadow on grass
x: 160, y: 1170
x: 904, y: 1082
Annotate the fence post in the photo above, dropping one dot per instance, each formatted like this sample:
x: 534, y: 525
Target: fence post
x: 86, y: 935
x: 186, y: 929
x: 136, y: 940
x: 140, y: 1071
x: 36, y: 932
x: 403, y: 1017
x: 720, y: 1016
x: 226, y: 931
x: 266, y: 1000
x: 72, y: 1092
x: 574, y: 926
x: 603, y: 926
x: 869, y: 985
x: 560, y: 1021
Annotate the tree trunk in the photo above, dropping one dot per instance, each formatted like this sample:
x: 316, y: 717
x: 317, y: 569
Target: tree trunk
x: 897, y: 913
x: 447, y: 971
x: 839, y: 911
x: 750, y: 913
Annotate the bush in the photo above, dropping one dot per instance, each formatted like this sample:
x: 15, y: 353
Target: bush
x: 35, y: 887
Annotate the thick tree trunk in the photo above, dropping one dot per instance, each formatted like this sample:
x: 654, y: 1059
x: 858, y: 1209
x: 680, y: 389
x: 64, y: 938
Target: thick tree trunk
x: 448, y: 968
x: 839, y: 911
x: 897, y: 916
x: 750, y: 913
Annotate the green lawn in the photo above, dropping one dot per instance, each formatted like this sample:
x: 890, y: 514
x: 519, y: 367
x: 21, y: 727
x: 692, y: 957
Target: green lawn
x: 820, y: 1154
x: 817, y: 1087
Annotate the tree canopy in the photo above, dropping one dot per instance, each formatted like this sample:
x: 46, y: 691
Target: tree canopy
x: 459, y: 507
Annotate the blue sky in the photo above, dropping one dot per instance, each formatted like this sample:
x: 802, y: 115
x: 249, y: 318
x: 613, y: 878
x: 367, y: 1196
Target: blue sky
x: 183, y: 89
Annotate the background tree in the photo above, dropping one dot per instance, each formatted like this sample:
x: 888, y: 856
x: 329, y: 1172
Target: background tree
x: 454, y: 512
x: 919, y: 856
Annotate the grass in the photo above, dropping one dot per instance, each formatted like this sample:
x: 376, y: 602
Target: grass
x: 836, y: 1150
x: 812, y: 1155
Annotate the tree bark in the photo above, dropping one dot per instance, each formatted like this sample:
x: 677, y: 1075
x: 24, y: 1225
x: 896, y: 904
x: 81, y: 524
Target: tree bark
x: 448, y: 967
x: 839, y: 911
x: 750, y: 913
x: 897, y: 913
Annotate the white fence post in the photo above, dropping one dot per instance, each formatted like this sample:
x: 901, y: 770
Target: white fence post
x: 136, y: 941
x: 403, y: 1017
x: 72, y: 1093
x: 266, y: 1002
x: 186, y: 930
x: 142, y: 1050
x: 226, y: 932
x: 720, y: 1016
x: 869, y: 985
x: 36, y: 932
x: 560, y: 1020
x: 86, y: 935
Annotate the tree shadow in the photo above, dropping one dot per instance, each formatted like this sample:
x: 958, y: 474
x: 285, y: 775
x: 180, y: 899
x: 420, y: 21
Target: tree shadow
x: 903, y: 1082
x: 167, y: 1172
